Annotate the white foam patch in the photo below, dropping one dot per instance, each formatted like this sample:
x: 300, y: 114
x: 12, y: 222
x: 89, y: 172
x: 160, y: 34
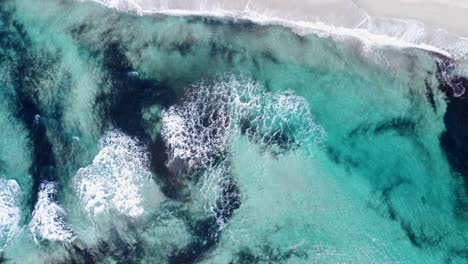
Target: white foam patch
x: 199, y: 130
x: 283, y: 114
x: 115, y: 179
x: 47, y: 221
x: 10, y: 213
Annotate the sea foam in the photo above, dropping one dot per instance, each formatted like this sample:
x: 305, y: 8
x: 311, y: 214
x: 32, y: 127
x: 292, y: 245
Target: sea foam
x: 340, y: 19
x: 47, y: 221
x: 114, y: 181
x: 10, y: 213
x: 200, y: 130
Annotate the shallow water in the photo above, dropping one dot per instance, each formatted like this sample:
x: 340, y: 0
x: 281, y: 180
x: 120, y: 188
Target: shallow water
x: 159, y: 139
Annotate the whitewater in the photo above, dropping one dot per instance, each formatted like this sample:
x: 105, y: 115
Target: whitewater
x: 231, y: 132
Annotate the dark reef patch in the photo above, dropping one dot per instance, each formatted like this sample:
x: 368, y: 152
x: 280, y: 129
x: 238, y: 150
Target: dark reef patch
x: 116, y: 249
x: 401, y: 125
x: 223, y: 51
x: 206, y: 232
x: 416, y: 234
x: 26, y: 73
x: 78, y: 255
x: 430, y: 95
x: 457, y: 256
x: 3, y: 166
x: 339, y: 158
x: 3, y: 259
x: 123, y: 251
x: 454, y: 140
x: 411, y: 235
x: 79, y: 30
x: 384, y: 206
x: 267, y: 254
x: 170, y: 183
x: 120, y: 103
x: 268, y: 55
x: 334, y: 155
x: 278, y: 141
x: 127, y: 94
x: 245, y: 256
x: 419, y: 238
x: 239, y: 25
x: 184, y: 47
x: 204, y: 238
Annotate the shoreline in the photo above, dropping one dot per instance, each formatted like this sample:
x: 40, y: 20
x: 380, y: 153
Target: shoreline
x: 436, y: 14
x: 340, y: 18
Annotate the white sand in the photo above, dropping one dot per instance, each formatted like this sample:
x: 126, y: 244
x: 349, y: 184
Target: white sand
x: 440, y: 24
x: 334, y: 12
x: 451, y: 15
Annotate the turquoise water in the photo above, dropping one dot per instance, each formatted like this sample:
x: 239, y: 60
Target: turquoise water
x: 158, y: 139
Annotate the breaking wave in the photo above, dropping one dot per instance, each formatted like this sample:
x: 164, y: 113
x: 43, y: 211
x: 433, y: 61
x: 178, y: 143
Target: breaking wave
x: 115, y: 179
x: 199, y: 130
x: 10, y: 213
x: 47, y: 221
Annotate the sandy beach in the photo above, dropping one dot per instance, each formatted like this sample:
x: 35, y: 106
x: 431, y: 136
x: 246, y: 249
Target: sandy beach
x: 430, y: 24
x: 445, y: 14
x: 450, y: 15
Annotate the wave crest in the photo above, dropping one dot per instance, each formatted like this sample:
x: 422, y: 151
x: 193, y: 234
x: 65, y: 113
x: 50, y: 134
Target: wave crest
x: 10, y: 213
x: 115, y: 178
x: 199, y: 131
x: 48, y: 217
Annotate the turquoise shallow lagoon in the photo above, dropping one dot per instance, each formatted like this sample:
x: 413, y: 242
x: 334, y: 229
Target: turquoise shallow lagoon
x: 165, y: 139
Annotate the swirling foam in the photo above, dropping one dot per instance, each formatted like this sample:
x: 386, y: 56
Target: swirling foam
x: 10, y: 213
x: 115, y: 179
x: 47, y: 221
x: 284, y: 114
x: 199, y: 130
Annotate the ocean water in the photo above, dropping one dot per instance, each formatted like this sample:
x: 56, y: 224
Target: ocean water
x: 196, y: 139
